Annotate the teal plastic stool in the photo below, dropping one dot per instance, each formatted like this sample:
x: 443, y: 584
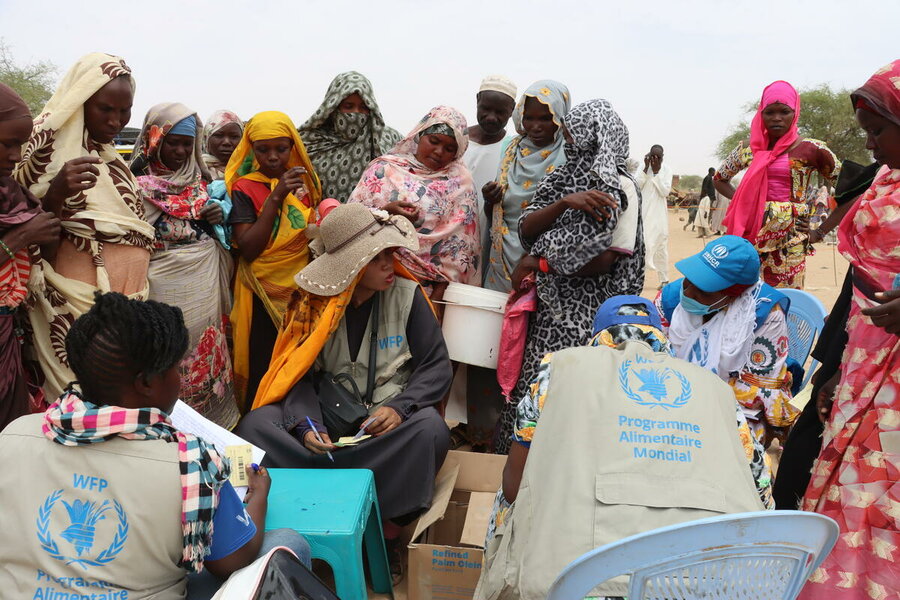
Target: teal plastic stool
x: 336, y: 510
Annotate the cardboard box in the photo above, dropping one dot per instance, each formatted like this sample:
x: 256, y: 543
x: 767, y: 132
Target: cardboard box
x: 447, y: 546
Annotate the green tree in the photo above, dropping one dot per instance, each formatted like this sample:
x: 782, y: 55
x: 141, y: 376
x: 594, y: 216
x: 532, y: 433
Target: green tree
x: 34, y: 82
x: 689, y: 183
x: 825, y: 114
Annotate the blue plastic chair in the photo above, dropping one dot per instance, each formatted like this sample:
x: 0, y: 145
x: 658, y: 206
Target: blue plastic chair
x: 805, y: 320
x: 336, y: 510
x: 759, y: 555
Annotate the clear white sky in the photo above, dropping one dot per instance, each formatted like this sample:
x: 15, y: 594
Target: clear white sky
x: 677, y: 71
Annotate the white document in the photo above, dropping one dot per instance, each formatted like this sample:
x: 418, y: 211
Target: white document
x: 188, y: 420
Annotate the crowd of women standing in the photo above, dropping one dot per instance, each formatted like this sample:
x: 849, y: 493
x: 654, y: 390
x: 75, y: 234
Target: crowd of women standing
x: 227, y: 220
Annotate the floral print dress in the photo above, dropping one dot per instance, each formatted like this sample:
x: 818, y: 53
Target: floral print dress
x: 782, y: 248
x: 189, y: 268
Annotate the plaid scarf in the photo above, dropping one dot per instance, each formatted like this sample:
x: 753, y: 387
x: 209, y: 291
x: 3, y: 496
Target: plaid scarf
x: 72, y: 421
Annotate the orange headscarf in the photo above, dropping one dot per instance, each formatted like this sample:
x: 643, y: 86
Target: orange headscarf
x: 270, y: 276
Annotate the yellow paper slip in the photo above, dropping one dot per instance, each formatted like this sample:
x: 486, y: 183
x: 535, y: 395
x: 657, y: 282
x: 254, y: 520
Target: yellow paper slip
x: 349, y: 441
x: 240, y: 457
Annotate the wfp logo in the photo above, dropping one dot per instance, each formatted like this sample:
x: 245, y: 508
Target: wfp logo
x: 651, y: 386
x: 81, y: 533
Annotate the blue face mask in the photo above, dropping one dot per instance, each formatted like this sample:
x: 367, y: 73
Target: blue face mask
x: 696, y: 308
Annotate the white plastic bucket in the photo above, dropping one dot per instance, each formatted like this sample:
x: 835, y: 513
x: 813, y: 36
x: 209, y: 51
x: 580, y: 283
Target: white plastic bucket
x: 473, y: 319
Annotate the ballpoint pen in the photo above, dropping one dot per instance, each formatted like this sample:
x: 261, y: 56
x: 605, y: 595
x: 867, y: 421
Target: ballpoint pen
x: 318, y: 437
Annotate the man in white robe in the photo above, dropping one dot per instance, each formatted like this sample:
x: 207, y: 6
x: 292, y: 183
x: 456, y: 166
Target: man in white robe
x: 496, y: 100
x: 655, y: 183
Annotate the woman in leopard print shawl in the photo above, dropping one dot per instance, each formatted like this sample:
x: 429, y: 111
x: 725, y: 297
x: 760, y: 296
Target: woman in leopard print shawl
x: 573, y: 219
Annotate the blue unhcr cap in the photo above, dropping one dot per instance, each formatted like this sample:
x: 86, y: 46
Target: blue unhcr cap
x: 727, y: 261
x: 609, y: 313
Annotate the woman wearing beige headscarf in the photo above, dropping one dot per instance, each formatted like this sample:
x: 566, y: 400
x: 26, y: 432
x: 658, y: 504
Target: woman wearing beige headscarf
x: 71, y: 164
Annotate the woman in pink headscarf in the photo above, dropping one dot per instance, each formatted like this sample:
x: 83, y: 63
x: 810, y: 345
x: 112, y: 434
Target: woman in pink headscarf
x: 769, y: 208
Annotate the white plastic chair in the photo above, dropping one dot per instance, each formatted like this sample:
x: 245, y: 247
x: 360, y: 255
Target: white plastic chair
x: 748, y: 556
x: 805, y: 319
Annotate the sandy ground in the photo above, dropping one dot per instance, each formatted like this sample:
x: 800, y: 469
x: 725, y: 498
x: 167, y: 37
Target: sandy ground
x: 825, y: 270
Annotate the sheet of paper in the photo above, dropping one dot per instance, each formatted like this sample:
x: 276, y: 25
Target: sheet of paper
x: 188, y: 420
x: 349, y: 441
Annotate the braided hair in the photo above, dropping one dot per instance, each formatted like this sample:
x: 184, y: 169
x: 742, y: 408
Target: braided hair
x: 118, y: 338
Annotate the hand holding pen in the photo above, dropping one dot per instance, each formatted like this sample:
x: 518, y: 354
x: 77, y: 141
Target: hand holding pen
x: 318, y: 443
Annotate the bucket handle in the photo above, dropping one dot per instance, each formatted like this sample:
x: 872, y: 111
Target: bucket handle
x: 468, y: 305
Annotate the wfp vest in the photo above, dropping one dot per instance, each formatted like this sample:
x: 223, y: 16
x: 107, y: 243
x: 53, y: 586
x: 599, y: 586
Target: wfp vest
x: 100, y: 521
x: 628, y: 441
x: 392, y: 369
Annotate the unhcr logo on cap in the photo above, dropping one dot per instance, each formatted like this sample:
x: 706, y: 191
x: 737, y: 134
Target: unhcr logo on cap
x: 715, y: 254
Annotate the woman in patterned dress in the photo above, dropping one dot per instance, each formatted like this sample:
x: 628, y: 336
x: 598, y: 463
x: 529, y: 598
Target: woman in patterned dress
x: 189, y: 268
x: 274, y: 192
x: 568, y: 231
x: 856, y: 479
x: 424, y: 179
x: 769, y: 206
x: 25, y: 231
x: 345, y: 133
x: 72, y: 165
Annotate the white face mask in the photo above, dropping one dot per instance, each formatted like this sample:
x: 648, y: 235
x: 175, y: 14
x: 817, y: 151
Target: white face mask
x: 350, y: 125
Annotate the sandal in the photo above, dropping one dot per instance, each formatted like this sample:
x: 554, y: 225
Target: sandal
x: 458, y: 437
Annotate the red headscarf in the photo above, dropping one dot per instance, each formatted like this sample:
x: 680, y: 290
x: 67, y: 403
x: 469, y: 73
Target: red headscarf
x: 881, y: 93
x: 745, y: 214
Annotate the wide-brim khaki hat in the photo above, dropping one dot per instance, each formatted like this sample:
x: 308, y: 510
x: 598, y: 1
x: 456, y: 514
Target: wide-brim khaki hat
x: 346, y: 241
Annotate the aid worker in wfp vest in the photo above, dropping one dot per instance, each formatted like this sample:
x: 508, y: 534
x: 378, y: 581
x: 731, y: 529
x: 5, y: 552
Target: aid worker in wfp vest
x: 613, y: 439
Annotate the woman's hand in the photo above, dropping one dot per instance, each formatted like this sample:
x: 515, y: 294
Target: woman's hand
x: 825, y: 397
x: 527, y: 265
x: 315, y: 446
x: 41, y: 230
x: 290, y: 182
x: 212, y: 213
x: 887, y: 314
x: 402, y: 209
x: 258, y: 483
x: 76, y: 175
x: 492, y: 193
x: 816, y: 236
x: 802, y: 225
x: 384, y: 419
x: 594, y: 202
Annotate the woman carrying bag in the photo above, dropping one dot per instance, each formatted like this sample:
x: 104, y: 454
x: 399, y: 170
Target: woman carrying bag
x: 357, y: 302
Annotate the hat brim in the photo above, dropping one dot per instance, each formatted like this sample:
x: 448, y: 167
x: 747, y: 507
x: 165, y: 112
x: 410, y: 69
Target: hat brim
x: 607, y: 315
x: 332, y: 272
x: 695, y: 269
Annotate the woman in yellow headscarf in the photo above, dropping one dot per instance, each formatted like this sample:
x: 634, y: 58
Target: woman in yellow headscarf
x: 275, y: 191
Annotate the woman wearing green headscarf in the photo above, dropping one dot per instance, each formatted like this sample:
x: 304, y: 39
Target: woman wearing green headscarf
x: 345, y: 133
